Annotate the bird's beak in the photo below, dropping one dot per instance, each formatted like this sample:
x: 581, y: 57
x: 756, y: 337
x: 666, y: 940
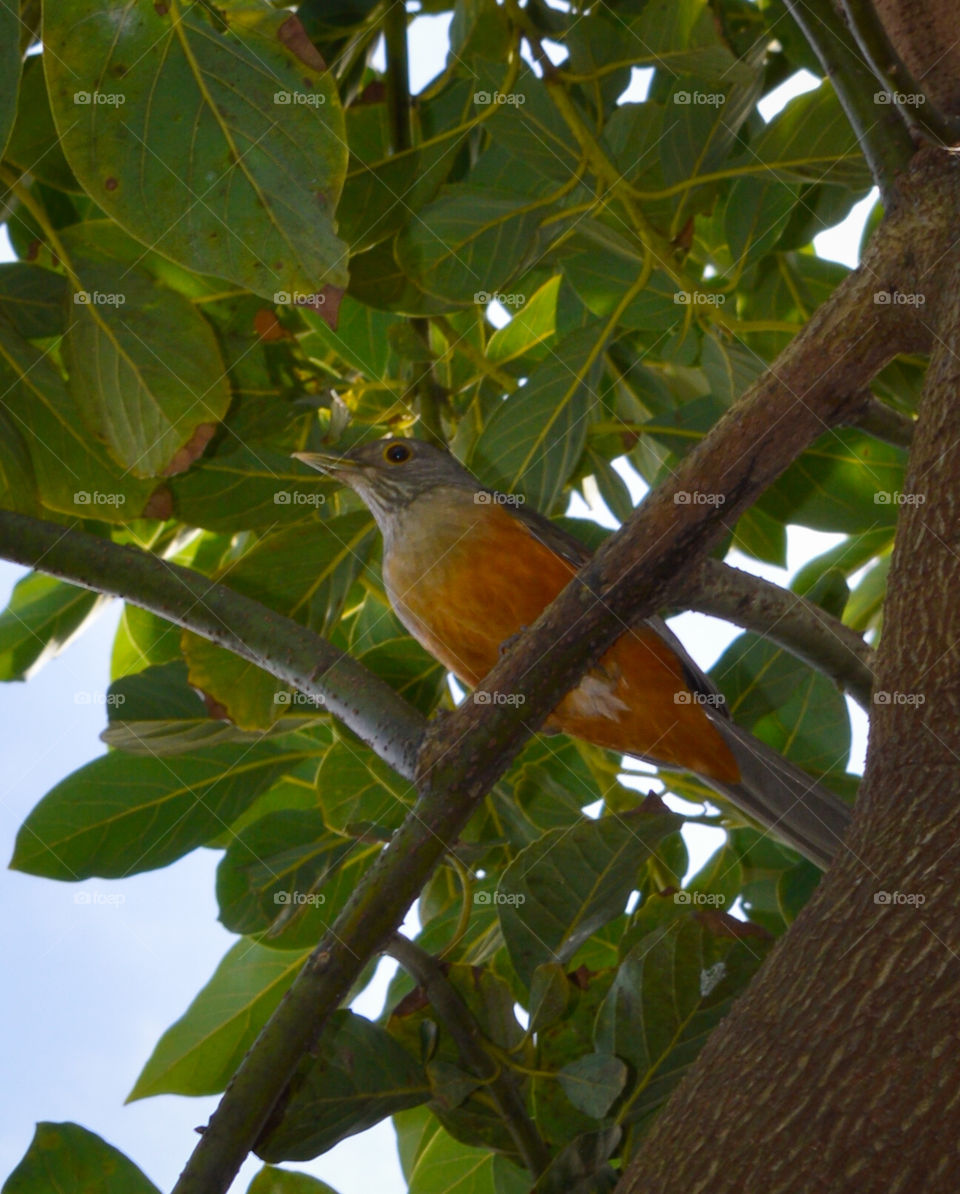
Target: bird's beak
x: 324, y: 462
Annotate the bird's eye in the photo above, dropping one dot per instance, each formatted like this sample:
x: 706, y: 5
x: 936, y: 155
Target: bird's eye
x: 397, y: 453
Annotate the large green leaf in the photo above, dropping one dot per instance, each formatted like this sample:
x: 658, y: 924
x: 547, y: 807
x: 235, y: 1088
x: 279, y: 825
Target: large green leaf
x: 75, y: 475
x: 571, y: 881
x: 145, y: 369
x: 357, y: 1076
x: 673, y: 986
x: 467, y: 243
x: 795, y: 709
x: 120, y: 815
x: 212, y: 135
x: 533, y: 439
x: 288, y: 876
x: 43, y: 616
x: 72, y: 1160
x: 199, y: 1053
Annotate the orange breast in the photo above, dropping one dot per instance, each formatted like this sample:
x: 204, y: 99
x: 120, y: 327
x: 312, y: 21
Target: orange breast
x: 465, y: 579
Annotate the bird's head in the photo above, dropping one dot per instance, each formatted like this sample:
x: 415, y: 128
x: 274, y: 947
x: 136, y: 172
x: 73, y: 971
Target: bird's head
x: 391, y: 473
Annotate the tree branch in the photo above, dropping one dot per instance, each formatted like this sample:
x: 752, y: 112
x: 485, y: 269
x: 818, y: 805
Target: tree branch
x: 879, y: 128
x: 785, y: 618
x: 894, y: 74
x: 836, y: 354
x: 885, y: 423
x: 459, y: 1021
x: 189, y: 599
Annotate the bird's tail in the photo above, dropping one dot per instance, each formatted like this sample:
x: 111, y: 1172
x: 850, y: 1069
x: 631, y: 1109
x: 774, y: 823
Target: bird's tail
x: 782, y: 798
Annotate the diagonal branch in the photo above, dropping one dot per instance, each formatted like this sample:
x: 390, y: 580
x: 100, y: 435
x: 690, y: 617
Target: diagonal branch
x: 879, y: 128
x: 785, y: 618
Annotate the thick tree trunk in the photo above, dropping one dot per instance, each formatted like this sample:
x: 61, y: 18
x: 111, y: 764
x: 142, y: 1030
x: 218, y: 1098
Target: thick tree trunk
x: 838, y: 1070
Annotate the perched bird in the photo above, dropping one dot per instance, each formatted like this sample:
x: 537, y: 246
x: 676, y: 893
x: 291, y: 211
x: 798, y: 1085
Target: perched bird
x: 466, y: 570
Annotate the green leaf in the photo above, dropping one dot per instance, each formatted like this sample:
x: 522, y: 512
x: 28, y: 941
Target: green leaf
x: 467, y: 243
x: 533, y: 439
x: 71, y: 1160
x: 756, y: 214
x: 34, y: 145
x: 357, y: 1076
x: 847, y: 481
x: 9, y: 70
x: 156, y: 712
x: 680, y: 37
x: 42, y: 618
x: 570, y: 882
x: 145, y: 369
x: 549, y: 995
x: 527, y: 333
x: 34, y: 300
x: 793, y: 708
x: 673, y: 986
x: 354, y: 787
x: 593, y: 1083
x: 847, y: 557
x: 286, y: 1181
x: 445, y: 1166
x: 289, y: 876
x: 183, y: 107
x: 302, y: 571
x: 250, y: 486
x: 18, y: 487
x: 120, y: 815
x: 200, y: 1052
x: 526, y: 123
x: 74, y: 472
x: 811, y: 140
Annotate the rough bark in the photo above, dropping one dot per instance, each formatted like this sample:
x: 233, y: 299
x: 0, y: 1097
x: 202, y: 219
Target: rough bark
x: 837, y: 1071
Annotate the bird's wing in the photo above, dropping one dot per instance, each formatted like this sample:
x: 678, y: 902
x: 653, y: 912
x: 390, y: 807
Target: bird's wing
x: 569, y: 548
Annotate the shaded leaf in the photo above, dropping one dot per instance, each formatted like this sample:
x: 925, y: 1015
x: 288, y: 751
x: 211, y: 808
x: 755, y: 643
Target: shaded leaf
x: 357, y: 1076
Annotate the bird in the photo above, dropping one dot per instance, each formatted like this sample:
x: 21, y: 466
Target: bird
x: 467, y: 568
